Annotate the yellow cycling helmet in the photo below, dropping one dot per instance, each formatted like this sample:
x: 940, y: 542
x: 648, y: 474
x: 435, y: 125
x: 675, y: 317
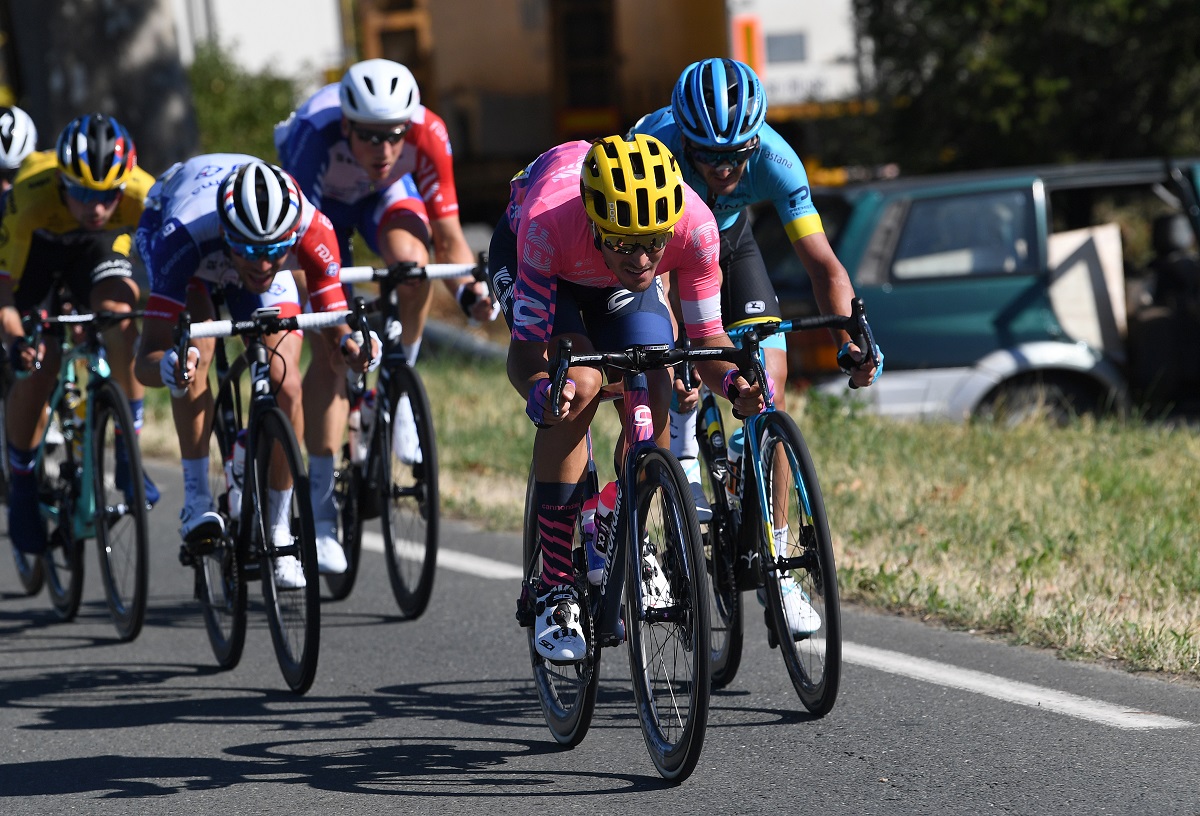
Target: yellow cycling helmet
x: 631, y: 187
x: 96, y: 152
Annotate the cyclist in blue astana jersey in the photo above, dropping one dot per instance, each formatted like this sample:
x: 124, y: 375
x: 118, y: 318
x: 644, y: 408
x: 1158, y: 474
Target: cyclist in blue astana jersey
x: 733, y: 159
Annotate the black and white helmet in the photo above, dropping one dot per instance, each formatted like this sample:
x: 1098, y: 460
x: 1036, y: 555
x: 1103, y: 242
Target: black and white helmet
x: 18, y: 137
x: 379, y: 92
x: 258, y: 203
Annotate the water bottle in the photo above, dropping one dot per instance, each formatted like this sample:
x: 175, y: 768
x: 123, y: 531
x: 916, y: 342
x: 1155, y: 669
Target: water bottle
x: 598, y: 544
x: 235, y: 471
x: 733, y: 480
x: 80, y: 408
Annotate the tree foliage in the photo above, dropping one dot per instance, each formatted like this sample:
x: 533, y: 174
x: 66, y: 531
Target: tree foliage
x: 237, y: 110
x: 975, y: 83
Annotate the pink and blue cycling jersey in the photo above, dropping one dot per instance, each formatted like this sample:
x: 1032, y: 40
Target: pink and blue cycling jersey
x: 555, y: 243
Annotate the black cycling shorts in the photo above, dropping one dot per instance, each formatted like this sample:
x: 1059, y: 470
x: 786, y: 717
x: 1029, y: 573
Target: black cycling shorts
x: 77, y: 261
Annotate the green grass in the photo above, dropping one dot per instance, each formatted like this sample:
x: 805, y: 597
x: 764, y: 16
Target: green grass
x: 1085, y: 540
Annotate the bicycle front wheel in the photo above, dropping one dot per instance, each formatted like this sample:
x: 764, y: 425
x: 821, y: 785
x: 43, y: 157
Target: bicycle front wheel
x: 62, y: 563
x: 219, y: 566
x: 121, y: 527
x: 282, y: 527
x: 567, y: 692
x: 720, y: 554
x: 801, y: 590
x: 405, y: 474
x: 667, y: 605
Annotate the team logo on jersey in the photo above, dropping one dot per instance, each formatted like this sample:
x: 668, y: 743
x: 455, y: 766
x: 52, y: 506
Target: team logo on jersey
x: 755, y: 307
x: 528, y: 312
x: 332, y: 269
x: 619, y: 300
x: 795, y: 197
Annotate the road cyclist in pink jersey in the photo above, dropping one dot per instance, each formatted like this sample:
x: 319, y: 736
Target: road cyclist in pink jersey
x: 375, y: 160
x: 590, y: 230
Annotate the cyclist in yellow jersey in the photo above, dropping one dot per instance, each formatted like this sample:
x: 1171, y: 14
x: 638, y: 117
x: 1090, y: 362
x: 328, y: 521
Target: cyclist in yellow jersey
x: 67, y: 234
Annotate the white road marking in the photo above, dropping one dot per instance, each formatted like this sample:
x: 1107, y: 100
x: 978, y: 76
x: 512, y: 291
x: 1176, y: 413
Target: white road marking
x: 1011, y: 691
x: 930, y: 671
x: 454, y: 560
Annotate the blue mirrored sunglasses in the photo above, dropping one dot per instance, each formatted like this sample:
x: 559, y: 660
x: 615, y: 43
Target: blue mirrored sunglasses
x: 86, y: 195
x: 261, y: 252
x: 717, y: 158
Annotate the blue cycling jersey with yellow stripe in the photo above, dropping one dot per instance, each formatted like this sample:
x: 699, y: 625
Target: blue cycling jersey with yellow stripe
x: 774, y: 173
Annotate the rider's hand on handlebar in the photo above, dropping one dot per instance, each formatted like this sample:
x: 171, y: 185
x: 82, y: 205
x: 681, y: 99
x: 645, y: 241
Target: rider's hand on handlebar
x: 747, y: 399
x: 356, y: 356
x: 538, y: 408
x: 685, y: 398
x: 476, y: 302
x: 25, y: 358
x: 168, y: 369
x: 859, y: 366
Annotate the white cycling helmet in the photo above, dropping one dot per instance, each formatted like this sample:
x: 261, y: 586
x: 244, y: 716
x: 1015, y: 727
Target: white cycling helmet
x: 18, y: 137
x: 379, y: 92
x: 258, y: 203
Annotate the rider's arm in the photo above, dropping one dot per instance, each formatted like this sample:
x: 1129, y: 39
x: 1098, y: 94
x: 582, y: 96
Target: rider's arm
x: 10, y: 318
x: 157, y: 337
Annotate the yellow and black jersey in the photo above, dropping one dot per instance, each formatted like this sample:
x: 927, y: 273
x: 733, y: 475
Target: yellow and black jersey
x: 35, y: 206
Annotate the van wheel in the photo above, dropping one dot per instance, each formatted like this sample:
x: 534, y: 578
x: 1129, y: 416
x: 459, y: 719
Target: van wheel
x: 1055, y: 401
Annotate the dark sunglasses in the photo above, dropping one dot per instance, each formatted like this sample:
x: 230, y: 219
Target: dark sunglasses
x: 86, y: 195
x: 717, y: 158
x: 261, y: 252
x: 629, y: 244
x: 378, y: 137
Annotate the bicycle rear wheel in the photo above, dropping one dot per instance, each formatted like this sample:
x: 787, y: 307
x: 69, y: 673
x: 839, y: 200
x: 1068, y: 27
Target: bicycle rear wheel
x: 220, y: 584
x: 803, y: 614
x: 409, y: 492
x: 567, y: 692
x: 294, y: 614
x: 120, y: 520
x: 720, y: 553
x: 62, y: 563
x: 665, y: 603
x: 348, y: 485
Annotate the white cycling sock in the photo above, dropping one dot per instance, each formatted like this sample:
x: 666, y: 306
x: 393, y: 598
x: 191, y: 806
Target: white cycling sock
x: 195, y: 483
x: 683, y: 434
x: 412, y: 351
x: 279, y: 508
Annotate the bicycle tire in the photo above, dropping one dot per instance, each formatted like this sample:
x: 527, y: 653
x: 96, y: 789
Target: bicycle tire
x: 409, y: 507
x: 720, y: 552
x: 668, y: 639
x: 62, y: 563
x: 347, y: 486
x: 30, y: 571
x: 121, y: 526
x: 220, y: 579
x: 567, y: 692
x: 294, y: 615
x: 813, y: 660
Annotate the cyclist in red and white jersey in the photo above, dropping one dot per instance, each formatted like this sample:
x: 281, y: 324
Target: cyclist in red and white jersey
x: 371, y: 157
x: 590, y: 230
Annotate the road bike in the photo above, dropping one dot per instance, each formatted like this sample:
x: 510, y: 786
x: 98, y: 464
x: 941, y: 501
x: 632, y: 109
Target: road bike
x: 769, y: 531
x: 653, y: 525
x: 91, y: 484
x: 384, y: 482
x: 251, y: 545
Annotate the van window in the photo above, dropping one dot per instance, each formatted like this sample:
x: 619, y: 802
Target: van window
x: 979, y: 234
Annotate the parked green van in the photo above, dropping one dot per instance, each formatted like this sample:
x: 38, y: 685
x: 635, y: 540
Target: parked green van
x: 1058, y: 289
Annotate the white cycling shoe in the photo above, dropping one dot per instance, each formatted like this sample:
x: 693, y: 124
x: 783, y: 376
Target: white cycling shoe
x: 802, y: 619
x: 405, y: 442
x: 289, y: 572
x: 331, y: 558
x: 559, y: 635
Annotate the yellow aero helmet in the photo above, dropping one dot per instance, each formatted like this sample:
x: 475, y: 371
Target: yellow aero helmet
x: 631, y: 187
